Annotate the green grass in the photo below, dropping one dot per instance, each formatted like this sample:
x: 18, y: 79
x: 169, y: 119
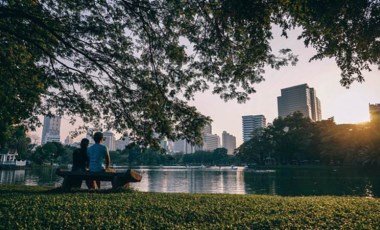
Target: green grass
x: 23, y: 207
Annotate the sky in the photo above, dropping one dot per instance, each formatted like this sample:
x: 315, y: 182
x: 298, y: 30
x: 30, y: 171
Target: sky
x: 345, y: 105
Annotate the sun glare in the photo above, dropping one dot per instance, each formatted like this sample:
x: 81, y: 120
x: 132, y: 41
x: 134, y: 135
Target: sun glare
x: 352, y: 117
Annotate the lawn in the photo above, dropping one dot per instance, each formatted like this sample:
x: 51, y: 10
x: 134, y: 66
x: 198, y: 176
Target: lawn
x: 30, y: 207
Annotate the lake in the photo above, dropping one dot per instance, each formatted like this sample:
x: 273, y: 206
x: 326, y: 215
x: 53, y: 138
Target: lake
x: 291, y: 181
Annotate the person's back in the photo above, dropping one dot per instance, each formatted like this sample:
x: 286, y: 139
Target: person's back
x: 97, y: 154
x: 80, y: 159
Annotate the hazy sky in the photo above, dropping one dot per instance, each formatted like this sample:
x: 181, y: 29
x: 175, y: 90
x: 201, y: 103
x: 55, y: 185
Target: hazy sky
x: 346, y: 105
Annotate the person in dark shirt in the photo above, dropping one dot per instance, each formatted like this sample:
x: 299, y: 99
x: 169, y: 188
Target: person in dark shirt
x: 80, y: 162
x: 80, y: 159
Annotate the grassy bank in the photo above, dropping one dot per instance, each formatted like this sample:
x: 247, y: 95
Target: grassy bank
x: 39, y: 207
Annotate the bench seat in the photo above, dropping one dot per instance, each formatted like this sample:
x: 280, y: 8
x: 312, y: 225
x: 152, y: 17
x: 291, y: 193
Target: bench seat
x: 118, y: 179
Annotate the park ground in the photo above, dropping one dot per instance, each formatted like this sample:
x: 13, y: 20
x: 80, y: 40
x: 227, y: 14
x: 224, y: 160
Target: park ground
x: 35, y: 207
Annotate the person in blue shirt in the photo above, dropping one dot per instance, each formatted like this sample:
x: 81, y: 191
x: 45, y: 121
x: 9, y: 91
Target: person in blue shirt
x: 98, y: 155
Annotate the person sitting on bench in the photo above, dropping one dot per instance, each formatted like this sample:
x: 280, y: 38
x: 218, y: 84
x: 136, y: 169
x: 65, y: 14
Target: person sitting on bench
x: 80, y: 162
x: 97, y: 154
x: 80, y: 158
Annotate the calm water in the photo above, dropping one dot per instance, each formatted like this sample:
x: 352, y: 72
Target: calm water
x: 284, y: 181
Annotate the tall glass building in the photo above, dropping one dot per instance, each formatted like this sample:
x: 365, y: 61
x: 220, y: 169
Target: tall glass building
x: 300, y: 98
x: 252, y: 123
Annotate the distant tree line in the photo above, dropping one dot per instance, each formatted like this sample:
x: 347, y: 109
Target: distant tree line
x: 133, y: 154
x: 291, y: 140
x: 297, y: 140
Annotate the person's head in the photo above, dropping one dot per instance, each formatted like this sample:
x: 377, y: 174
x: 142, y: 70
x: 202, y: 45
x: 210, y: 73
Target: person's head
x: 98, y: 137
x: 84, y: 143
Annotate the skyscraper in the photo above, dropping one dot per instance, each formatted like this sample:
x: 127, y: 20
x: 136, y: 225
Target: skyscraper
x: 228, y: 142
x: 183, y: 146
x: 68, y: 140
x: 207, y: 129
x: 300, y: 98
x: 109, y: 140
x: 51, y: 130
x: 210, y: 142
x: 252, y: 123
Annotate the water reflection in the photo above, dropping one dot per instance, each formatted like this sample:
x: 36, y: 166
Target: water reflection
x: 12, y: 176
x: 280, y: 181
x: 316, y: 181
x: 192, y: 181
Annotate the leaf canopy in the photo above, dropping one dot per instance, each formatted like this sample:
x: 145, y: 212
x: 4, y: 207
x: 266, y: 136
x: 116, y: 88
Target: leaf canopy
x: 132, y: 65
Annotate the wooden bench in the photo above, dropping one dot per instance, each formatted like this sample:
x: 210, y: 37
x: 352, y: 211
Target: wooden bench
x: 118, y: 179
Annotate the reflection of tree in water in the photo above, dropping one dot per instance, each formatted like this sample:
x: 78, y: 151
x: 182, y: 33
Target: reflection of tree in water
x: 315, y: 181
x: 260, y: 182
x: 43, y: 175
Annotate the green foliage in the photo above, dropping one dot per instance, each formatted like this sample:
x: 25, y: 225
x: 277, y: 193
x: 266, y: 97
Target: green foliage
x: 133, y: 64
x: 296, y: 139
x: 49, y: 152
x: 36, y: 207
x: 14, y: 138
x: 217, y: 157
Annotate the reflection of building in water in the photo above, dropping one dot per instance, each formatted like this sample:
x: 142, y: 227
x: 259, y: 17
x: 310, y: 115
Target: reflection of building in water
x: 192, y: 180
x: 233, y: 182
x: 222, y: 180
x: 12, y: 176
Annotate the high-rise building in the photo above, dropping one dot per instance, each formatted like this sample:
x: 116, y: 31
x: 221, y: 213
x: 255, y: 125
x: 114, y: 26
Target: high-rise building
x: 121, y: 143
x: 374, y: 112
x: 210, y: 142
x: 109, y: 140
x: 300, y: 98
x: 252, y: 123
x: 89, y: 135
x: 228, y: 142
x: 68, y: 140
x: 51, y: 130
x: 183, y: 146
x: 207, y: 129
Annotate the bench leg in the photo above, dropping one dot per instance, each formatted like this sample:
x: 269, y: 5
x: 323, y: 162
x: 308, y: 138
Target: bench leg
x: 67, y: 183
x: 117, y: 184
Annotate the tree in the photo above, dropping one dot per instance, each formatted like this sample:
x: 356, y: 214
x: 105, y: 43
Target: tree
x: 287, y: 139
x: 19, y: 141
x: 48, y: 152
x: 219, y: 156
x: 131, y: 65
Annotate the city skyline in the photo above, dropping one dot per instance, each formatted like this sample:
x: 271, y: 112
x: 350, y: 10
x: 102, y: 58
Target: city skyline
x: 345, y: 105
